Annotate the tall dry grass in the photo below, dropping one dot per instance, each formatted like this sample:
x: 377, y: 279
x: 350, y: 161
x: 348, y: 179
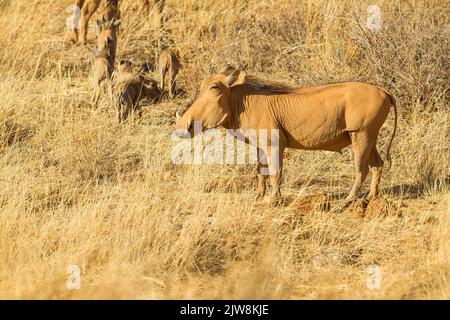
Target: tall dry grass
x: 78, y: 188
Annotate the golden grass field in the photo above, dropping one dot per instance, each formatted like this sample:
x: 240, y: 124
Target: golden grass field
x: 77, y: 188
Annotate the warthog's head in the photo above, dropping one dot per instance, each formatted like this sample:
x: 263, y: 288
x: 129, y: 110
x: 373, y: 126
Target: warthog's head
x: 108, y: 24
x: 212, y: 104
x: 107, y: 33
x: 151, y: 88
x: 125, y: 66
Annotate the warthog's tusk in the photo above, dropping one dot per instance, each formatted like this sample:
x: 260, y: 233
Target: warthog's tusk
x: 178, y: 115
x: 188, y: 124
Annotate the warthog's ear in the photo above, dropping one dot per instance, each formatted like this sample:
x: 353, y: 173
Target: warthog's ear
x: 117, y: 23
x: 227, y: 70
x: 100, y: 24
x: 125, y: 63
x: 237, y: 77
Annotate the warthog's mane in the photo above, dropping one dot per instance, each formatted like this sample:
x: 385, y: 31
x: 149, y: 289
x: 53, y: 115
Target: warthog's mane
x: 262, y: 85
x: 257, y: 84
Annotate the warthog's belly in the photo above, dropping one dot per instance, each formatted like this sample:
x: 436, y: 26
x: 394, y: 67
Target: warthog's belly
x: 331, y: 143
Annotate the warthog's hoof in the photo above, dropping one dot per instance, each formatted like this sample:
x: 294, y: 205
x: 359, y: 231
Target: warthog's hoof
x: 71, y: 41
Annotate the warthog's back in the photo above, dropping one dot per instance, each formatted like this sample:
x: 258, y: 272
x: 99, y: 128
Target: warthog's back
x: 169, y: 59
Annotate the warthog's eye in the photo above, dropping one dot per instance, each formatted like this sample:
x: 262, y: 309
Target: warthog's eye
x: 214, y: 86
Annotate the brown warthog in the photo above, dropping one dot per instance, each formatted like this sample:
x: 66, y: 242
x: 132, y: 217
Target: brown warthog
x: 169, y: 65
x: 108, y: 36
x: 131, y: 88
x: 89, y: 7
x: 101, y: 70
x: 328, y: 117
x: 125, y: 72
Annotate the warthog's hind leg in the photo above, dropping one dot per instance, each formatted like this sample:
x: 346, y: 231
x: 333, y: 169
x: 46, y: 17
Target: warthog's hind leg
x: 162, y: 78
x: 109, y: 87
x: 362, y: 146
x: 376, y: 165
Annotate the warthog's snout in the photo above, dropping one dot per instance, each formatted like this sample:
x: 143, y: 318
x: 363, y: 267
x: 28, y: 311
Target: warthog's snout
x: 184, y: 126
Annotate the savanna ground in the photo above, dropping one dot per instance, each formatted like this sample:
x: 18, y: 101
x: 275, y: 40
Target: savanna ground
x: 77, y: 188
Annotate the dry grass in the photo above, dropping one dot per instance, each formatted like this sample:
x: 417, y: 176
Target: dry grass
x: 78, y: 188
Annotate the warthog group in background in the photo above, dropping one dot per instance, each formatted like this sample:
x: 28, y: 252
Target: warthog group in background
x: 89, y: 7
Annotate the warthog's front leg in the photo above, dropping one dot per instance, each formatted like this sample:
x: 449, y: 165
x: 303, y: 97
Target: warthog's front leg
x: 96, y: 96
x: 273, y: 156
x: 275, y: 170
x: 86, y: 13
x: 261, y: 191
x: 73, y: 36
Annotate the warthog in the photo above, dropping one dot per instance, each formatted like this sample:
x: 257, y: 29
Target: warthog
x: 131, y: 88
x: 328, y: 117
x: 87, y: 8
x: 108, y: 36
x: 101, y: 70
x: 169, y: 65
x: 111, y: 11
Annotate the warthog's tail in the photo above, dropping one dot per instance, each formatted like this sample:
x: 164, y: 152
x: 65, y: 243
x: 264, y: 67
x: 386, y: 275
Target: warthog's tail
x: 388, y: 150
